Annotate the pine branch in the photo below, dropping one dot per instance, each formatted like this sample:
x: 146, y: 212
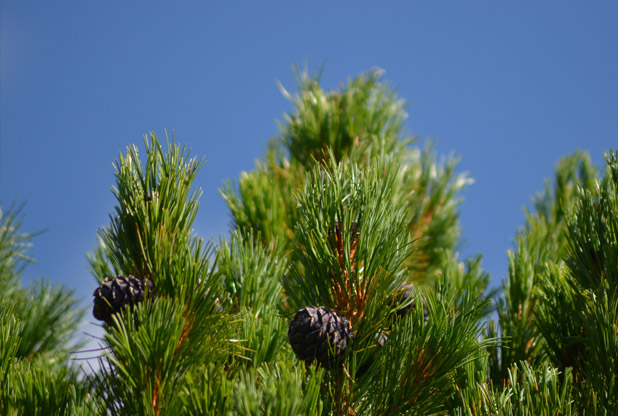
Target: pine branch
x: 578, y: 314
x: 251, y: 273
x: 540, y: 390
x: 152, y: 351
x: 418, y: 363
x: 540, y: 245
x: 281, y: 389
x: 262, y: 202
x: 46, y: 385
x: 156, y: 206
x: 432, y: 189
x: 38, y: 326
x: 14, y: 246
x: 352, y: 270
x: 363, y: 116
x: 158, y: 334
x: 51, y: 317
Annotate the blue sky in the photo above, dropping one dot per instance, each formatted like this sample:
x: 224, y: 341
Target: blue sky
x: 510, y: 87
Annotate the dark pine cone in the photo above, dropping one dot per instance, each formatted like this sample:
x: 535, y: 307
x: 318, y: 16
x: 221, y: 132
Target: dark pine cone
x: 405, y: 292
x: 317, y: 334
x: 115, y: 293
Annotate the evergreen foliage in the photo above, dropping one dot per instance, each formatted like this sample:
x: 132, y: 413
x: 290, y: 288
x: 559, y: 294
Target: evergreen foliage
x: 539, y: 244
x: 347, y: 220
x: 38, y: 330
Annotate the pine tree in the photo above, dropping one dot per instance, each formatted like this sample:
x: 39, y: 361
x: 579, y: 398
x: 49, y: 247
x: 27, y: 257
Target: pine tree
x: 38, y: 331
x: 339, y: 290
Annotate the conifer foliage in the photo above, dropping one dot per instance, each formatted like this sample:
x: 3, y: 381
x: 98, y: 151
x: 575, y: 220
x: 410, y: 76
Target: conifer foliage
x: 39, y: 326
x: 339, y: 290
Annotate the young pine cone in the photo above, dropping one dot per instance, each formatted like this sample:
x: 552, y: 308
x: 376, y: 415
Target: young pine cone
x: 317, y: 334
x: 115, y: 293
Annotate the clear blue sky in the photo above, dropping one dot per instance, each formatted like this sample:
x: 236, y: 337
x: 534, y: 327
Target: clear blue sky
x: 508, y: 86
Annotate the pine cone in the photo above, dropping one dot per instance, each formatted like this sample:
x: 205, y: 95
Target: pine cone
x: 405, y: 292
x: 115, y: 293
x: 317, y: 334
